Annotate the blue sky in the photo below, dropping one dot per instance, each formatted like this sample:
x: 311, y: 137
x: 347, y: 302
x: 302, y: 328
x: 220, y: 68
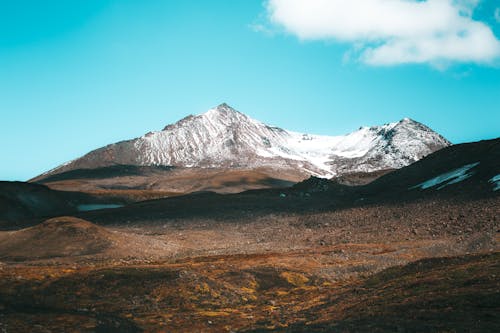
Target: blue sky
x: 76, y: 75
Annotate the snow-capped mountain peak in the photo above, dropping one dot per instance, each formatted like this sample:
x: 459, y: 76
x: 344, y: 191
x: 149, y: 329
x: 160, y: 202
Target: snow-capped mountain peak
x: 223, y: 113
x: 223, y: 110
x: 223, y: 137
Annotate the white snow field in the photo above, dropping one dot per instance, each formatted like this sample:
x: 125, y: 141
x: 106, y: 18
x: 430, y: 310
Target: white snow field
x: 496, y: 182
x: 448, y: 178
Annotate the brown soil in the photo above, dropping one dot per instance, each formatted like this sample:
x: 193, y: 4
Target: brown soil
x: 169, y: 179
x: 252, y: 293
x: 318, y: 272
x: 317, y: 257
x: 57, y: 237
x: 361, y: 178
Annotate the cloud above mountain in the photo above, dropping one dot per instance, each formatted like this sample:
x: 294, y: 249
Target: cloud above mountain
x: 392, y: 32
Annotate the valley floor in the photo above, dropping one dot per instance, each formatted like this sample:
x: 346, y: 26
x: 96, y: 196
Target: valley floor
x: 256, y: 293
x: 422, y: 266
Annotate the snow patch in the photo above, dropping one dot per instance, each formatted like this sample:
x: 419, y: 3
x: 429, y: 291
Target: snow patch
x: 445, y: 179
x: 496, y: 182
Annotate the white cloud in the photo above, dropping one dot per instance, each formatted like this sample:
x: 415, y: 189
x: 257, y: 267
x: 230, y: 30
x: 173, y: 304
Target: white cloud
x: 392, y: 31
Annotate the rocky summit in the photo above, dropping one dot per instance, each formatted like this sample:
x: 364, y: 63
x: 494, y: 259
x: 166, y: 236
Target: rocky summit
x: 225, y: 138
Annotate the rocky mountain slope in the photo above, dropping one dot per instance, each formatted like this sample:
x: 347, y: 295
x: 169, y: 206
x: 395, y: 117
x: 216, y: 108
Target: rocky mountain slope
x: 463, y: 172
x: 224, y: 138
x: 441, y: 168
x: 415, y: 249
x: 21, y: 201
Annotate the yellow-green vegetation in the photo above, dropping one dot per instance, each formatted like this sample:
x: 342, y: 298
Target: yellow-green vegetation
x: 294, y: 278
x: 232, y: 295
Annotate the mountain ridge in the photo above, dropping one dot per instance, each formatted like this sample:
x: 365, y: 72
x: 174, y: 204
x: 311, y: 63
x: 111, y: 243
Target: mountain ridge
x: 223, y: 137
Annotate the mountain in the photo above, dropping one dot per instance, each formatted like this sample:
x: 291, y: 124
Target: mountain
x: 224, y: 138
x: 470, y: 170
x: 460, y: 175
x: 315, y: 257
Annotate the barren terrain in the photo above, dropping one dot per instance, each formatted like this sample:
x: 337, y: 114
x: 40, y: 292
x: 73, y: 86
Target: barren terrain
x: 322, y: 271
x: 173, y: 181
x: 319, y: 256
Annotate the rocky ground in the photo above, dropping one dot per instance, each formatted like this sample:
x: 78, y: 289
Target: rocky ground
x: 320, y: 256
x: 357, y: 269
x: 172, y: 180
x: 292, y: 292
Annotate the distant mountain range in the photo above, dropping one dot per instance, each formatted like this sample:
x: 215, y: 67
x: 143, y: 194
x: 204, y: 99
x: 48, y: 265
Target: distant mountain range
x: 223, y: 138
x: 460, y: 173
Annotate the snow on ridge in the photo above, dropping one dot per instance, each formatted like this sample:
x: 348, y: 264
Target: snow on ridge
x: 448, y: 178
x: 224, y: 137
x: 56, y: 169
x: 496, y: 182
